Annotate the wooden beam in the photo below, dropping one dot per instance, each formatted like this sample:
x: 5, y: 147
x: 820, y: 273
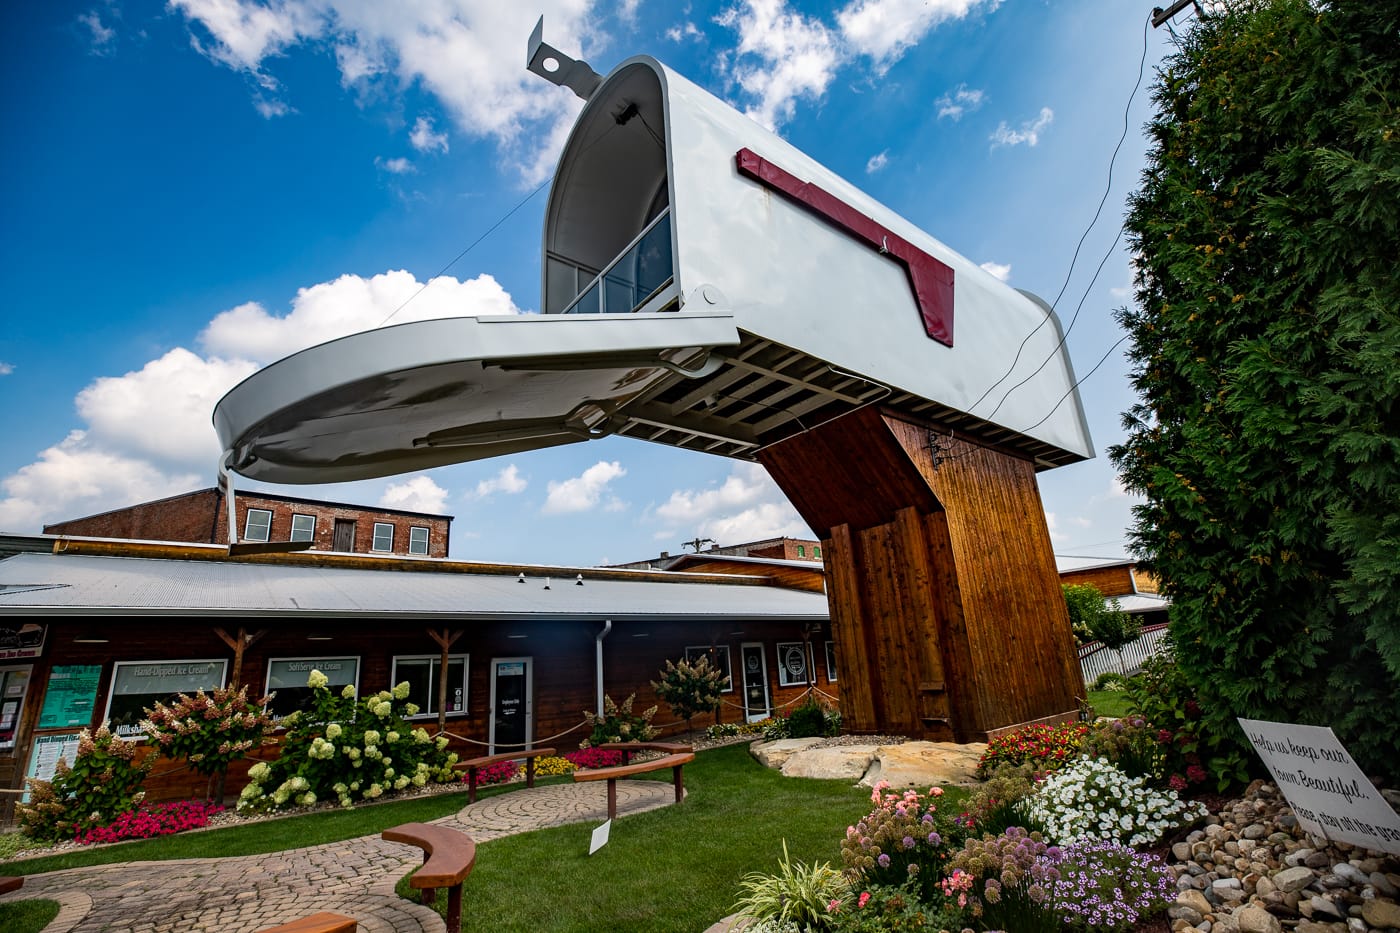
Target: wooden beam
x: 445, y: 641
x: 237, y: 646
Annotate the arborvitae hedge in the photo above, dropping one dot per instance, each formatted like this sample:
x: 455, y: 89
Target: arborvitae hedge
x: 1266, y: 352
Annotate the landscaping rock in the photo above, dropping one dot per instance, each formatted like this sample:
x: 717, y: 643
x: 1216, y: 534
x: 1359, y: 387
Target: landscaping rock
x: 774, y: 754
x: 846, y: 762
x: 922, y: 765
x: 1194, y: 901
x: 1381, y: 914
x: 1257, y: 920
x: 1293, y: 879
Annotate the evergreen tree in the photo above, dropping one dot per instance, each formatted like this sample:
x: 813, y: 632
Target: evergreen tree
x: 1266, y: 352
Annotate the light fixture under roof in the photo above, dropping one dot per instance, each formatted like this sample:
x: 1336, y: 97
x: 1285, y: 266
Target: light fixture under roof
x: 318, y: 638
x: 90, y: 638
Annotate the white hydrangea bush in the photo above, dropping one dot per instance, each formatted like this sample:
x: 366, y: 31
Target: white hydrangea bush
x: 1092, y: 799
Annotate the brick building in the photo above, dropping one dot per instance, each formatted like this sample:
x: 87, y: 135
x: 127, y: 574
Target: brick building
x: 770, y: 548
x: 201, y: 517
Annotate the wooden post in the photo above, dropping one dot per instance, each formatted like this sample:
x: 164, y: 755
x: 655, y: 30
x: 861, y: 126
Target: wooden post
x: 237, y: 646
x: 945, y: 603
x: 445, y: 641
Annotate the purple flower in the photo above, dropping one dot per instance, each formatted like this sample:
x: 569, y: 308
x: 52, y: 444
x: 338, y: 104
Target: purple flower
x: 884, y: 860
x: 908, y: 842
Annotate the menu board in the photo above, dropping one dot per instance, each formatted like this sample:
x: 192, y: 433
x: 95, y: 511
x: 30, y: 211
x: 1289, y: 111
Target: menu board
x: 44, y: 758
x: 70, y: 696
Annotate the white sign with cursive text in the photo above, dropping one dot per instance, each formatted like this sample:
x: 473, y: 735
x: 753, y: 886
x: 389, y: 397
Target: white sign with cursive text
x: 1329, y: 794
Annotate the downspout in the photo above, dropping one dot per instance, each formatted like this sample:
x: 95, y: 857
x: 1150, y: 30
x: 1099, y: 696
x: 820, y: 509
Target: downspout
x: 598, y: 642
x: 227, y: 476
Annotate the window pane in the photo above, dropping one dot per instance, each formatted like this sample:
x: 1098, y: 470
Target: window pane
x: 137, y: 685
x: 383, y: 537
x: 419, y: 675
x: 287, y: 678
x: 417, y: 540
x: 793, y: 664
x: 258, y: 525
x: 422, y: 673
x: 456, y: 685
x: 303, y: 527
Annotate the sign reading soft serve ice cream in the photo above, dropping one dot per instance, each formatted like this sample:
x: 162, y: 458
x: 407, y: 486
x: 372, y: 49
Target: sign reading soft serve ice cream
x: 1329, y: 794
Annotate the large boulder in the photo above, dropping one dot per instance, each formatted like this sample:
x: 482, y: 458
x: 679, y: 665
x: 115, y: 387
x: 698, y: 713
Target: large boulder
x: 843, y: 762
x: 925, y: 764
x: 776, y: 753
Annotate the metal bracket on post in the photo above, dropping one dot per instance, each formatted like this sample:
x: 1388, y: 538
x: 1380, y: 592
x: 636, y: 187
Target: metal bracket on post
x: 557, y: 68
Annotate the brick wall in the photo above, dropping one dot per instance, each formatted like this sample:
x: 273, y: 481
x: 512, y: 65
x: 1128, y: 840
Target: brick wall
x: 202, y: 517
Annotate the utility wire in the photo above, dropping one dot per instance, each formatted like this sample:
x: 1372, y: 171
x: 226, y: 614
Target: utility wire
x: 1076, y: 385
x: 1142, y: 62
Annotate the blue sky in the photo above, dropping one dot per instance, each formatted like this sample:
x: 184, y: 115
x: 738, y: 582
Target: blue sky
x: 196, y: 188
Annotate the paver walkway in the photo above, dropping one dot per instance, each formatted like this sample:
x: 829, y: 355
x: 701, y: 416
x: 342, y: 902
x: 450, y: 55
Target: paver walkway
x: 355, y: 877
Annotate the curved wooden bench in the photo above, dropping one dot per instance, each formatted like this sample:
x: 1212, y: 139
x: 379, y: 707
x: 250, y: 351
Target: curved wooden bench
x: 324, y: 922
x: 448, y: 857
x: 675, y: 762
x: 472, y: 765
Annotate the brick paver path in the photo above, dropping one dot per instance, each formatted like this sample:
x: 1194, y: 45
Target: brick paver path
x: 355, y: 877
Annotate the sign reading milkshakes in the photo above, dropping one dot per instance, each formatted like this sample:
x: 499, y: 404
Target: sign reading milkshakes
x: 1329, y: 794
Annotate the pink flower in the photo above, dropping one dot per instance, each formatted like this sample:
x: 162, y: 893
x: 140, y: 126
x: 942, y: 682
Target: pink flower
x: 864, y: 899
x: 833, y: 906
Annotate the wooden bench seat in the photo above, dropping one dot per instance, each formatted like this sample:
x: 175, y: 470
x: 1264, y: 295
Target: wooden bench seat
x: 448, y: 857
x: 473, y: 765
x: 8, y: 884
x: 324, y: 922
x: 675, y: 762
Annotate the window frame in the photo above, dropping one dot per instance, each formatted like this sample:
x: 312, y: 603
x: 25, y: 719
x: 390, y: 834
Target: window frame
x: 426, y: 710
x: 427, y: 540
x: 248, y: 525
x: 830, y: 661
x: 374, y: 538
x: 333, y: 683
x: 695, y: 651
x: 310, y: 534
x: 117, y: 667
x: 784, y: 678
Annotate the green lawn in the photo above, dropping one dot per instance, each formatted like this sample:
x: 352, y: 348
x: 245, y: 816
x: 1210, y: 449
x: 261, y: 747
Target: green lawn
x: 672, y: 869
x: 27, y: 916
x: 1110, y: 703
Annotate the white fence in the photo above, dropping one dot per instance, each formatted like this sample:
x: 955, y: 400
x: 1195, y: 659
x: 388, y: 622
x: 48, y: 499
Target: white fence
x: 1095, y: 659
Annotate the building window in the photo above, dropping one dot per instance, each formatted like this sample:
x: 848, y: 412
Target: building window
x: 816, y: 551
x: 831, y: 662
x: 718, y: 657
x: 423, y: 673
x: 138, y: 685
x: 14, y: 683
x: 794, y: 664
x: 418, y: 540
x: 258, y: 527
x: 801, y: 551
x: 303, y: 527
x: 383, y: 537
x: 286, y: 678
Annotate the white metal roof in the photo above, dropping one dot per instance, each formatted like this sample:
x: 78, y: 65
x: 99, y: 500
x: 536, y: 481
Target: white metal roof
x: 49, y: 584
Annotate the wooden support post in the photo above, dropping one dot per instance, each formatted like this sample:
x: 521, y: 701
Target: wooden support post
x: 612, y: 798
x: 237, y: 646
x: 445, y: 641
x: 946, y: 608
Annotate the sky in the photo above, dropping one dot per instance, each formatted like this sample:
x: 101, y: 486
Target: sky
x: 197, y: 188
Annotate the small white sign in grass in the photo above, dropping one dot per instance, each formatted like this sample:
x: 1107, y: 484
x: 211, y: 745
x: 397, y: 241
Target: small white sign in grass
x: 1329, y: 794
x: 600, y: 837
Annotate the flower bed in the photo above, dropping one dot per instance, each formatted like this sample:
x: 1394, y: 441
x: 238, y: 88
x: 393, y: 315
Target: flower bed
x: 160, y: 819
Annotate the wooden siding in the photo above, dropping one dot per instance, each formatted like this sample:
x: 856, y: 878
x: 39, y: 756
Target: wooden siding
x: 1115, y: 580
x: 944, y: 599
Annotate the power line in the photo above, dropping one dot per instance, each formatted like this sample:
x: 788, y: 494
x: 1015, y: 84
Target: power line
x: 1108, y: 188
x: 1076, y: 385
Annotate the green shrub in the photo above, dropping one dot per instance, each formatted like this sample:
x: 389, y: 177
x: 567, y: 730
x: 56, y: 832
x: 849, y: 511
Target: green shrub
x: 903, y: 839
x: 619, y: 724
x: 1045, y: 747
x: 1132, y: 744
x: 1192, y: 751
x: 1109, y: 680
x: 807, y: 720
x: 209, y: 731
x: 999, y: 802
x: 346, y: 750
x: 799, y: 894
x: 103, y: 783
x: 690, y: 688
x: 880, y: 908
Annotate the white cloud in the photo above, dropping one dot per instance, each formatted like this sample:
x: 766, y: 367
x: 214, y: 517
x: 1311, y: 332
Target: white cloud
x: 466, y: 54
x: 102, y: 36
x: 6, y: 369
x: 582, y: 492
x: 885, y: 29
x: 270, y: 107
x: 782, y: 56
x: 398, y: 166
x: 348, y: 305
x: 77, y: 477
x: 877, y: 162
x: 961, y: 100
x: 416, y: 494
x: 424, y: 139
x: 687, y: 31
x: 1029, y: 133
x: 147, y: 433
x: 1056, y: 536
x: 508, y: 481
x: 997, y: 270
x: 747, y: 506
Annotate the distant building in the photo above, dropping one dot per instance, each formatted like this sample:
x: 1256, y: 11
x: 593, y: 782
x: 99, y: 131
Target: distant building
x: 1117, y: 578
x: 201, y: 517
x: 771, y: 548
